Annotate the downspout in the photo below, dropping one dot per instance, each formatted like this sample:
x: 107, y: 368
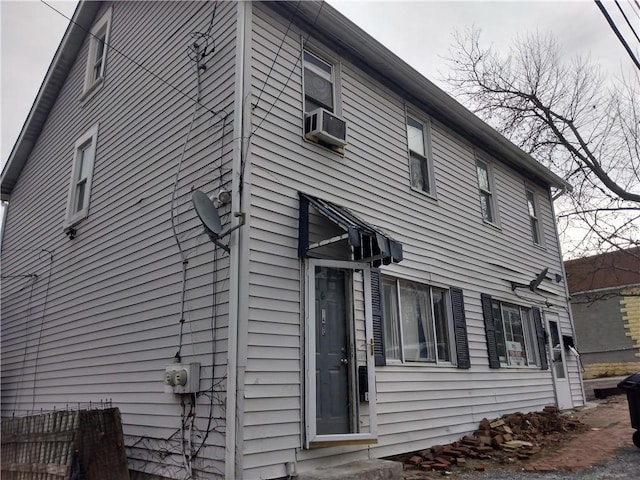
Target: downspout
x: 566, y: 284
x: 231, y: 416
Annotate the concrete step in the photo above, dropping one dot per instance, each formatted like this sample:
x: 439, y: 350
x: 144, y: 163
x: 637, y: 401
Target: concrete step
x: 361, y: 470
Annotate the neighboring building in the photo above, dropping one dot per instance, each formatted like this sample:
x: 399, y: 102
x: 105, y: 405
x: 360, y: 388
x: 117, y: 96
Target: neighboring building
x: 376, y: 298
x: 605, y: 301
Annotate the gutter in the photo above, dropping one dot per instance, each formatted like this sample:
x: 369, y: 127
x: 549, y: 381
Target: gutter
x: 369, y: 55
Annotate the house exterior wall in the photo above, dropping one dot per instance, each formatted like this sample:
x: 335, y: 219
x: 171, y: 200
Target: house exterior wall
x: 101, y: 319
x: 445, y: 244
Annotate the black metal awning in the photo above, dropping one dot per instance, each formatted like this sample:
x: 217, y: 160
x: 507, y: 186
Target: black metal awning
x: 369, y: 244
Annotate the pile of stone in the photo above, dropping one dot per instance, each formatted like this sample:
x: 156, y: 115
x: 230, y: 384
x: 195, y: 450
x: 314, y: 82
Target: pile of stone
x: 516, y: 436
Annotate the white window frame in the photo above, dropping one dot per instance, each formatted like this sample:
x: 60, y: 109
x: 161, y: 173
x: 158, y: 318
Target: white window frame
x: 334, y: 78
x: 100, y: 29
x: 450, y: 325
x: 88, y: 140
x: 427, y: 157
x: 310, y: 357
x: 534, y: 220
x: 529, y: 333
x: 491, y: 193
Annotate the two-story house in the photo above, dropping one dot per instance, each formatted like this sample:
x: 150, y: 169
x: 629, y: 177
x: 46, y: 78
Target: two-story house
x: 393, y: 274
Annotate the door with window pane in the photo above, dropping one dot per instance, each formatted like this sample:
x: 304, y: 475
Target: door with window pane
x: 558, y: 362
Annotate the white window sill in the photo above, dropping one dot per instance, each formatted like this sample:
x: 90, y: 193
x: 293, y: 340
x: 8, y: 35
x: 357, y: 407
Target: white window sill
x: 521, y: 367
x: 399, y: 363
x: 429, y: 195
x: 75, y: 220
x: 90, y: 91
x: 492, y: 225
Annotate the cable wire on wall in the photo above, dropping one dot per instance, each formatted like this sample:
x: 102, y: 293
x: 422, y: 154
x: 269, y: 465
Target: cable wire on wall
x: 109, y: 46
x: 173, y: 206
x: 44, y: 308
x: 275, y: 58
x: 293, y: 69
x: 34, y: 279
x: 284, y: 87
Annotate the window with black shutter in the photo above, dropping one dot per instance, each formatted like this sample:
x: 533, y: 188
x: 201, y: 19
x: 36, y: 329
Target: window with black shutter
x: 490, y: 330
x: 421, y: 323
x: 541, y: 337
x: 377, y: 309
x: 460, y: 328
x: 515, y: 336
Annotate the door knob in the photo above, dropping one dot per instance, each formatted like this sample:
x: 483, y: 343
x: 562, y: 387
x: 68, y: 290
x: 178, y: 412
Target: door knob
x: 344, y: 360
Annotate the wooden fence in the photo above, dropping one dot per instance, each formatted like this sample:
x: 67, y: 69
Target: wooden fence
x: 74, y: 445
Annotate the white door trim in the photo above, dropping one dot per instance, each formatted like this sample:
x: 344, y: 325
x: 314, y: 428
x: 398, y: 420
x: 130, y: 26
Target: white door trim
x: 310, y: 357
x: 561, y: 386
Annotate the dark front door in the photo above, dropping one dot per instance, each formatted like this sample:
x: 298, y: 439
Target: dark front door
x: 332, y: 368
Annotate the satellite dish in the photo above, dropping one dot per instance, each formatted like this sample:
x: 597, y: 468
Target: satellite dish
x: 538, y: 280
x: 207, y: 212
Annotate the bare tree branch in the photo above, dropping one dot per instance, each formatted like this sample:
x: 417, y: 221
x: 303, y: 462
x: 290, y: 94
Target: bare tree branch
x: 566, y: 116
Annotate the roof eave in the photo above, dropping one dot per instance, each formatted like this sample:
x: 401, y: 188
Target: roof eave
x: 347, y: 36
x: 47, y: 94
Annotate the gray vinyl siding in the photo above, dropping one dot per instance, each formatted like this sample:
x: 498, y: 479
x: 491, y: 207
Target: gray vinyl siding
x: 445, y: 243
x: 101, y: 321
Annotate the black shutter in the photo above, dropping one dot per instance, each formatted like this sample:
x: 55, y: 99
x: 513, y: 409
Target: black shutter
x: 542, y: 338
x: 490, y: 330
x: 460, y: 327
x: 377, y: 313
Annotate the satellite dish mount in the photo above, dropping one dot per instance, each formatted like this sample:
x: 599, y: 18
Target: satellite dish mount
x: 533, y: 284
x: 208, y: 214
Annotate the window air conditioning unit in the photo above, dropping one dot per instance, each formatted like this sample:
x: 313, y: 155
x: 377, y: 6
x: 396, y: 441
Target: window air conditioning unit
x: 326, y: 127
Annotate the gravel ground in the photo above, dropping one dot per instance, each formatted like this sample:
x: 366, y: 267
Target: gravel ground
x: 625, y: 464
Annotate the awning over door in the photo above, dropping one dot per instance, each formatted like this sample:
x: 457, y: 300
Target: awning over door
x: 368, y: 243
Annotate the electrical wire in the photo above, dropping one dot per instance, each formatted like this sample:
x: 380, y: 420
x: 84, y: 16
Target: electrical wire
x: 214, y: 305
x: 284, y: 37
x: 220, y: 113
x: 44, y: 308
x: 633, y: 9
x: 26, y: 343
x: 617, y: 32
x: 627, y: 20
x: 176, y: 180
x: 304, y: 43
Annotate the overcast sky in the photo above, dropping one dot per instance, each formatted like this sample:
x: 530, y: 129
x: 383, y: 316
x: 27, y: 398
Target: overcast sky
x: 419, y: 32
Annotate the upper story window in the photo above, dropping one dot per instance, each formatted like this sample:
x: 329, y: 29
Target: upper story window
x: 515, y: 335
x: 485, y: 186
x: 418, y: 323
x: 319, y: 83
x: 97, y: 57
x: 532, y: 206
x: 81, y: 176
x: 419, y: 156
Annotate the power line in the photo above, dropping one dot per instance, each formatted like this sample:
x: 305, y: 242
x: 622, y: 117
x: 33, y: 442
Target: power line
x: 617, y: 32
x: 292, y: 70
x: 139, y: 65
x: 284, y: 37
x: 627, y: 20
x: 633, y: 9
